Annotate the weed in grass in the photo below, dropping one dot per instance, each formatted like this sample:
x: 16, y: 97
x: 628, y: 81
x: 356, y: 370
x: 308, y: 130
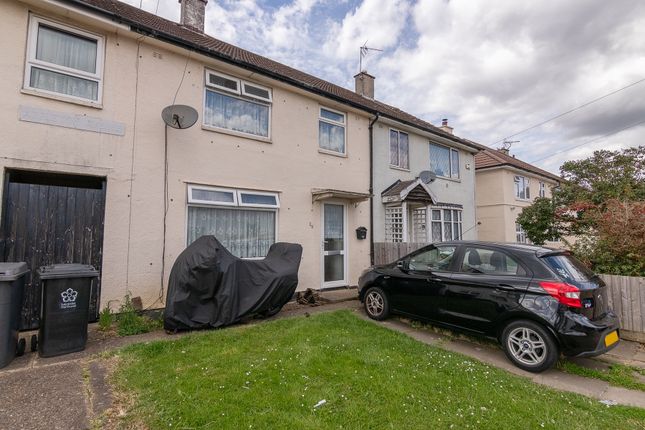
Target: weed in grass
x: 129, y: 322
x: 272, y: 375
x: 106, y: 319
x: 615, y: 374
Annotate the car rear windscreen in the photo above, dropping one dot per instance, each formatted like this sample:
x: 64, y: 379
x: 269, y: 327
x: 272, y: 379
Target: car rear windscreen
x: 569, y: 268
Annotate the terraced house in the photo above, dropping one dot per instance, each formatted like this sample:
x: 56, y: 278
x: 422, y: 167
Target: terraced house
x: 92, y: 173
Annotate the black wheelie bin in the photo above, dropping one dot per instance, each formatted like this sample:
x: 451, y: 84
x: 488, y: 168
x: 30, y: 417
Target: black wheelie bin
x: 12, y: 285
x: 66, y: 291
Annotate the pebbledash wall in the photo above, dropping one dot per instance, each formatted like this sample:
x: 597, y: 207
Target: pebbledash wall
x: 140, y: 77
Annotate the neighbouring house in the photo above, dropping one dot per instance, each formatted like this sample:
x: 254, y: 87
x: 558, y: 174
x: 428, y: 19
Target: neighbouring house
x: 424, y: 179
x: 505, y: 185
x: 91, y: 174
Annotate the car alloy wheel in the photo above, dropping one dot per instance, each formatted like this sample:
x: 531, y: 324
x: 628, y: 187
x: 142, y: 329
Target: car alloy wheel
x: 376, y: 304
x: 527, y: 346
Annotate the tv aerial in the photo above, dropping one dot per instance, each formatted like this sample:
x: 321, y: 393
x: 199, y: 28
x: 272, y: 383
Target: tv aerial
x: 506, y: 144
x: 364, y: 50
x: 179, y: 116
x: 427, y: 176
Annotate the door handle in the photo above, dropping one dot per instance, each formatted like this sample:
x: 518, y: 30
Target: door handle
x: 433, y: 279
x: 504, y: 287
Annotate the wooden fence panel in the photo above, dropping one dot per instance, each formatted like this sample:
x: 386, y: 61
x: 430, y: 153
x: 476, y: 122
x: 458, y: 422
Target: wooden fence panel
x: 387, y: 252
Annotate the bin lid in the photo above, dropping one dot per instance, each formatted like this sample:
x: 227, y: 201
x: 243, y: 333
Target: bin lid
x: 12, y: 271
x: 58, y: 271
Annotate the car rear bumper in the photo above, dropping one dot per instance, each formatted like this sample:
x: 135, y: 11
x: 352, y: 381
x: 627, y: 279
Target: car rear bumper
x: 580, y: 337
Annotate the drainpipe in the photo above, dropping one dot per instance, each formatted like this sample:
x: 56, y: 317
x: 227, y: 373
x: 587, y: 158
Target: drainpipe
x: 371, y: 190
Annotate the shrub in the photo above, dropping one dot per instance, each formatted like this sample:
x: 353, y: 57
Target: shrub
x: 129, y: 321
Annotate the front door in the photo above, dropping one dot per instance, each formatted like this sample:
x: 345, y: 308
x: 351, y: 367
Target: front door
x: 334, y: 245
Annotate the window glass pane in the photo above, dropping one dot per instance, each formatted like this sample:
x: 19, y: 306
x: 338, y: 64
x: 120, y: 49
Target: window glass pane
x: 447, y: 229
x: 454, y: 160
x: 252, y: 90
x: 479, y: 260
x: 455, y: 231
x: 334, y: 227
x: 258, y: 199
x: 331, y: 137
x: 394, y: 148
x: 221, y: 81
x: 213, y: 195
x: 436, y: 232
x: 436, y: 214
x: 63, y: 84
x: 324, y: 113
x: 245, y: 233
x: 433, y: 259
x: 65, y: 49
x: 440, y: 160
x: 447, y: 215
x: 403, y: 151
x: 569, y: 268
x: 235, y: 114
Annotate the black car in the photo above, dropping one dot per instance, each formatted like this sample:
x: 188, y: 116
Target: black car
x: 538, y: 302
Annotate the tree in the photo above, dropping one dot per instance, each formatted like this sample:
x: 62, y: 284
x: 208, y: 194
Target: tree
x: 601, y: 201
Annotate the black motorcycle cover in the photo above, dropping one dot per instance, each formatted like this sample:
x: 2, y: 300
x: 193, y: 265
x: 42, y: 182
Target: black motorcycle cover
x: 209, y: 287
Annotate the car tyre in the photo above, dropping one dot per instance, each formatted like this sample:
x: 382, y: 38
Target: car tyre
x: 376, y: 304
x: 529, y: 346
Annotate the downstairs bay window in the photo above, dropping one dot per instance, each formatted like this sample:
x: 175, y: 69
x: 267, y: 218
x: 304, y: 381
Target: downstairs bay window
x: 244, y: 221
x: 419, y: 224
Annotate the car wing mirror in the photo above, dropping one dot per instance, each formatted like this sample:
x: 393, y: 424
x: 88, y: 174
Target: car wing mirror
x: 402, y: 265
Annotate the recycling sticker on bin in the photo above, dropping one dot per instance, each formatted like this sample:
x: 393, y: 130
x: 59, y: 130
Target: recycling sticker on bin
x: 68, y: 299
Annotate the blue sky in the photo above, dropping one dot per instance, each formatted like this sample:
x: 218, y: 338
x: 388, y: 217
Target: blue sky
x: 492, y: 67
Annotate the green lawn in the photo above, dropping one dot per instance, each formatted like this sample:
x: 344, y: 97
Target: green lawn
x: 270, y: 376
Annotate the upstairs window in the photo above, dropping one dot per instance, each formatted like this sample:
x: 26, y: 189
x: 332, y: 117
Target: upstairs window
x: 522, y: 190
x: 399, y: 149
x: 237, y: 105
x: 542, y: 189
x: 64, y: 60
x: 331, y: 131
x: 444, y: 161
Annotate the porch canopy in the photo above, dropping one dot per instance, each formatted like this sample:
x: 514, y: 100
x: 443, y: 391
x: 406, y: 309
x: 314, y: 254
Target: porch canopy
x: 327, y: 193
x: 414, y: 190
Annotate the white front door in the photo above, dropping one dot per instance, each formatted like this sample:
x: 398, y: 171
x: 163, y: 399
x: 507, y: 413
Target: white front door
x: 334, y: 245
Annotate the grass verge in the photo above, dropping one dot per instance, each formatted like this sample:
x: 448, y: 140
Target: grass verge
x: 272, y: 375
x: 616, y: 374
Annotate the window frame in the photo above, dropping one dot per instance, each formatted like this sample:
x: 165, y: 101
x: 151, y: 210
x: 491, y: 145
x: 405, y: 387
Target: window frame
x: 442, y: 220
x: 450, y: 268
x: 451, y: 151
x: 190, y: 202
x: 31, y: 61
x: 520, y: 233
x: 239, y: 94
x: 336, y: 123
x: 520, y: 179
x: 542, y: 190
x: 389, y: 138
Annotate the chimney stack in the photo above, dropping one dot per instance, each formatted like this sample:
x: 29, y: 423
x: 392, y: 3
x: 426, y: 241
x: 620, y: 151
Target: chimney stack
x: 445, y: 127
x: 364, y: 84
x: 192, y: 14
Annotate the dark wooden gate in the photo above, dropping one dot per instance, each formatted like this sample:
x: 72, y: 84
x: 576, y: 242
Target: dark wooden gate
x: 49, y: 219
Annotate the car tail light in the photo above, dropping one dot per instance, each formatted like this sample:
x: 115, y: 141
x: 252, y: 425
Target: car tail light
x: 565, y: 293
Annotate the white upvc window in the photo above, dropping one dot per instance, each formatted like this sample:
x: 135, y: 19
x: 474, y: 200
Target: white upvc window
x: 444, y: 161
x: 399, y: 149
x: 522, y: 190
x: 237, y: 105
x: 542, y: 189
x: 446, y: 224
x: 520, y: 234
x: 63, y: 60
x: 244, y: 221
x: 331, y: 131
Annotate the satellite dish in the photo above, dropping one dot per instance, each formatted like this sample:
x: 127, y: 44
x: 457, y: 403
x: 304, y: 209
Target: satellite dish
x: 427, y: 176
x: 179, y: 116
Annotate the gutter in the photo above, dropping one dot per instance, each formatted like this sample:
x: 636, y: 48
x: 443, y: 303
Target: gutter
x: 371, y: 190
x: 151, y: 32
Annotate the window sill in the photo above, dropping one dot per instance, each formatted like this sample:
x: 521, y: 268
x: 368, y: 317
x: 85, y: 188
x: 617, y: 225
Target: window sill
x: 334, y: 153
x: 446, y: 178
x: 61, y: 97
x: 517, y: 199
x: 403, y: 169
x: 237, y: 134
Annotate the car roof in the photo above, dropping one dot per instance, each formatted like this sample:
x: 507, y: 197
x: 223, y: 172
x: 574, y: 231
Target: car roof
x: 526, y: 247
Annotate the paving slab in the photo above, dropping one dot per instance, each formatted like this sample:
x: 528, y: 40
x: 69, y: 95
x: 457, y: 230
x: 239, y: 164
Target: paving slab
x: 49, y: 398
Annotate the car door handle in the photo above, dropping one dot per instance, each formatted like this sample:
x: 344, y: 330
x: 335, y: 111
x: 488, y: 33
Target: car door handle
x: 504, y: 287
x: 433, y: 279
